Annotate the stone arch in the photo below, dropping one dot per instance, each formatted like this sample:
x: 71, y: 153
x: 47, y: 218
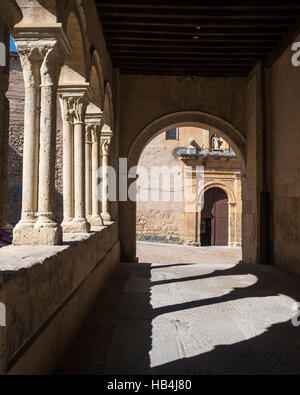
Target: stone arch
x: 96, y: 81
x: 10, y: 13
x: 75, y: 67
x: 96, y: 102
x: 232, y: 202
x: 190, y: 118
x: 225, y: 188
x: 37, y: 10
x: 108, y: 107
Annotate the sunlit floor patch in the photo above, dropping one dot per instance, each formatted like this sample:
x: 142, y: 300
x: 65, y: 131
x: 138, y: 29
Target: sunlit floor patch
x: 190, y: 318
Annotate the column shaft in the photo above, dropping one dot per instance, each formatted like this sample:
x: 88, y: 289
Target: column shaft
x: 68, y: 197
x: 95, y: 178
x: 88, y: 178
x: 79, y: 178
x: 105, y: 146
x: 30, y: 154
x: 47, y: 154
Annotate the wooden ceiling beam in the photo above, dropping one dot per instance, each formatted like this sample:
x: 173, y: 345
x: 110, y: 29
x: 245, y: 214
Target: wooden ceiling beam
x: 183, y: 62
x: 275, y: 22
x: 208, y: 14
x: 190, y: 51
x: 196, y: 5
x: 134, y: 56
x: 225, y: 32
x: 198, y: 45
x: 212, y: 39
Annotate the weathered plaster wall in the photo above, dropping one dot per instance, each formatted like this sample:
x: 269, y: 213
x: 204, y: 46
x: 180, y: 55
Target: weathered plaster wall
x: 285, y: 126
x: 48, y: 292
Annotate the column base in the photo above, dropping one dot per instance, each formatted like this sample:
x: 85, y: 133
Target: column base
x: 37, y: 234
x: 106, y: 217
x: 76, y: 226
x: 95, y: 220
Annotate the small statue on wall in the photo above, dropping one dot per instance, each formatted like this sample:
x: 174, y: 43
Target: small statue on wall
x: 216, y: 142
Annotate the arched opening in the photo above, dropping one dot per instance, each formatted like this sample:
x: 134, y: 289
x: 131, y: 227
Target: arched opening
x: 186, y: 119
x: 189, y: 190
x: 214, y: 218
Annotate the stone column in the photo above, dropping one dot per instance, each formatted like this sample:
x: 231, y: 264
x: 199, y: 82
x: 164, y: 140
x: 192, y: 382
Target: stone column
x: 105, y: 147
x: 50, y: 232
x: 82, y: 225
x: 95, y: 124
x: 74, y: 99
x: 88, y: 171
x: 31, y: 64
x: 42, y: 51
x: 68, y: 143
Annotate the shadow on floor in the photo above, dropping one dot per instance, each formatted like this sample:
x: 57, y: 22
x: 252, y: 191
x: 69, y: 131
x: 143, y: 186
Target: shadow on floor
x: 117, y: 336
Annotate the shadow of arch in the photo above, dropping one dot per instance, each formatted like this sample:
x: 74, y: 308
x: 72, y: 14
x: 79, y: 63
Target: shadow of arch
x: 190, y: 118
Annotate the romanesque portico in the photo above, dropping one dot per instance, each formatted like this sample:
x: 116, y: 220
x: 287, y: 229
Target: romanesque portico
x: 121, y: 78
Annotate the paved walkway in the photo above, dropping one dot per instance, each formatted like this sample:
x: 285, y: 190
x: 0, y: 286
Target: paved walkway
x: 185, y: 310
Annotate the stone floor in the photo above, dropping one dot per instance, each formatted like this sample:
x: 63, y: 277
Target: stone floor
x: 185, y: 310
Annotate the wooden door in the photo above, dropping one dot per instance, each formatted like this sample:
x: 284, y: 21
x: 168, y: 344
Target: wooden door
x: 214, y: 218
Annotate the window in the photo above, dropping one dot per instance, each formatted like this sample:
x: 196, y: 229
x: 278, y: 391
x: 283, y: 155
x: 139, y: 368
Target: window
x: 171, y: 134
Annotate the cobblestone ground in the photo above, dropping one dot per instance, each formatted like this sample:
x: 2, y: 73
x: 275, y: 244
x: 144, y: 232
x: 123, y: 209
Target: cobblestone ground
x: 188, y: 310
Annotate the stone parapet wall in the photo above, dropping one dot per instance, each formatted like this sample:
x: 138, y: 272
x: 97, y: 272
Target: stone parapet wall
x: 41, y: 286
x: 160, y: 226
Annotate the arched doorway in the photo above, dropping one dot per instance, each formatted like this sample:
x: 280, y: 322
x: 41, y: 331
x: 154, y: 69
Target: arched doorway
x: 214, y: 218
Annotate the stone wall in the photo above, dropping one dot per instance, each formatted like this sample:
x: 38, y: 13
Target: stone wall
x: 167, y: 221
x: 148, y: 102
x: 15, y: 95
x: 48, y: 292
x: 4, y: 113
x: 285, y: 131
x: 252, y: 181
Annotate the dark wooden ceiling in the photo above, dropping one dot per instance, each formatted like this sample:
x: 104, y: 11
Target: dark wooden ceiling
x: 190, y: 37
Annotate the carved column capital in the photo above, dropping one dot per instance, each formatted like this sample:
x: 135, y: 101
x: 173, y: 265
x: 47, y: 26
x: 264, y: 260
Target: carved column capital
x: 105, y: 145
x: 95, y: 123
x: 42, y: 51
x: 74, y: 101
x: 88, y: 134
x: 66, y: 104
